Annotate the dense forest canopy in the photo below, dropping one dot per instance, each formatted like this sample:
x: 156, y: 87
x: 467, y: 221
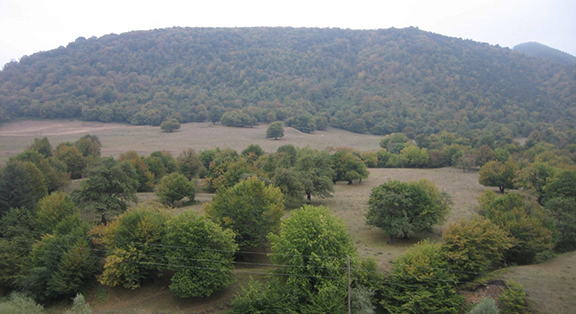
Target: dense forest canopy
x: 378, y: 81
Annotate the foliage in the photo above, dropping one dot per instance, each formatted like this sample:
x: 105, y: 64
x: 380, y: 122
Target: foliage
x: 253, y: 149
x: 133, y: 242
x: 109, y: 185
x: 170, y: 125
x: 237, y: 118
x: 421, y: 282
x: 72, y: 158
x: 42, y: 146
x: 564, y: 210
x: 348, y: 166
x: 535, y: 177
x: 144, y: 176
x: 200, y: 253
x: 80, y: 306
x: 532, y: 230
x: 258, y: 298
x: 54, y: 177
x: 175, y: 187
x: 512, y: 300
x: 62, y: 263
x: 227, y: 169
x: 89, y: 146
x: 289, y: 181
x: 473, y: 246
x: 414, y: 157
x: 161, y: 163
x: 52, y: 209
x: 563, y: 184
x: 13, y: 256
x: 485, y: 306
x: 402, y: 209
x: 495, y: 173
x: 313, y: 245
x: 15, y: 188
x: 189, y: 164
x: 275, y: 130
x: 316, y: 171
x: 20, y: 304
x: 250, y: 208
x: 313, y: 73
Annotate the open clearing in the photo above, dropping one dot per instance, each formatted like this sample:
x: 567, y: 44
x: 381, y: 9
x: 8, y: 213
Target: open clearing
x: 551, y: 285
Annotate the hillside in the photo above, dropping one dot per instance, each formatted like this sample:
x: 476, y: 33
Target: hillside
x: 377, y: 81
x: 542, y: 51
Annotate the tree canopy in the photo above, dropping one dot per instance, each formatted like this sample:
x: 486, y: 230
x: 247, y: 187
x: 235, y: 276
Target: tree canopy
x: 402, y: 209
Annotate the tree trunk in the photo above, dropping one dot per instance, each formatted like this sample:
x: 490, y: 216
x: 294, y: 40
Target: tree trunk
x: 360, y: 181
x: 104, y: 219
x: 309, y: 196
x: 501, y: 189
x: 390, y: 240
x: 350, y: 182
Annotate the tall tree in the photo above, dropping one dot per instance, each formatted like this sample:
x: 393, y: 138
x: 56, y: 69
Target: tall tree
x: 15, y: 188
x: 250, y: 208
x: 200, y: 253
x: 175, y: 187
x: 316, y: 171
x: 108, y: 188
x: 313, y: 246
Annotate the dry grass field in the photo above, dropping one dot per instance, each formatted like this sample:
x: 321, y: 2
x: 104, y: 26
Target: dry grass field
x: 551, y: 285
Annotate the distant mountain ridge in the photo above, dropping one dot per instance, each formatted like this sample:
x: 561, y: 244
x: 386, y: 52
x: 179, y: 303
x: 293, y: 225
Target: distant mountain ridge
x: 543, y: 51
x: 378, y: 81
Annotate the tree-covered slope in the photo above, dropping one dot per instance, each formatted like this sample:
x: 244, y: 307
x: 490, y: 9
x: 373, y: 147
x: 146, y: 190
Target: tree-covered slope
x: 543, y: 51
x: 378, y: 81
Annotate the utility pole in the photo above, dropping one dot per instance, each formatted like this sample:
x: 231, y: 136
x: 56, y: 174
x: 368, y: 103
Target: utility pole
x: 348, y: 264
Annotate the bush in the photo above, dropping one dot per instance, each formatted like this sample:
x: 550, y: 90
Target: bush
x: 512, y: 299
x: 486, y: 306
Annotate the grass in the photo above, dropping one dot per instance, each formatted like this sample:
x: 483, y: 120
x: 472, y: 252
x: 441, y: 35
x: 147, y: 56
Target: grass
x: 553, y: 281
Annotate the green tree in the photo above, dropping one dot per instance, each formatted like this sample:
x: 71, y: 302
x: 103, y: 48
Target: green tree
x: 250, y: 208
x: 189, y: 164
x: 253, y: 149
x: 563, y: 184
x: 421, y: 282
x: 200, y: 253
x: 15, y: 188
x: 175, y: 187
x: 89, y: 146
x: 55, y: 176
x: 52, y: 209
x: 215, y: 114
x: 414, y: 157
x: 108, y: 188
x: 42, y: 146
x: 304, y: 123
x: 61, y: 263
x: 275, y: 130
x: 512, y: 299
x: 161, y: 163
x: 564, y: 210
x: 290, y: 182
x: 495, y: 173
x: 170, y: 125
x: 472, y: 246
x: 348, y: 166
x: 535, y: 177
x: 316, y: 171
x: 72, y: 158
x: 134, y: 245
x: 313, y: 245
x: 402, y: 209
x: 531, y: 229
x: 144, y: 176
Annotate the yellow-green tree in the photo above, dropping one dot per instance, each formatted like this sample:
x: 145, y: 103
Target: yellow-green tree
x: 250, y: 208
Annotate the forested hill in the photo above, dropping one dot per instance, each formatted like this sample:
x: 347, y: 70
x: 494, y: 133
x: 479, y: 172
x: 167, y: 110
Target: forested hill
x: 543, y: 51
x: 378, y: 81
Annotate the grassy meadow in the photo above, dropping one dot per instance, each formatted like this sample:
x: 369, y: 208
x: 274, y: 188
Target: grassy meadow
x: 551, y: 285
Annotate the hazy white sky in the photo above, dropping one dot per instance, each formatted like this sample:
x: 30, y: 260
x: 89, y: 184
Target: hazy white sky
x: 29, y: 26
